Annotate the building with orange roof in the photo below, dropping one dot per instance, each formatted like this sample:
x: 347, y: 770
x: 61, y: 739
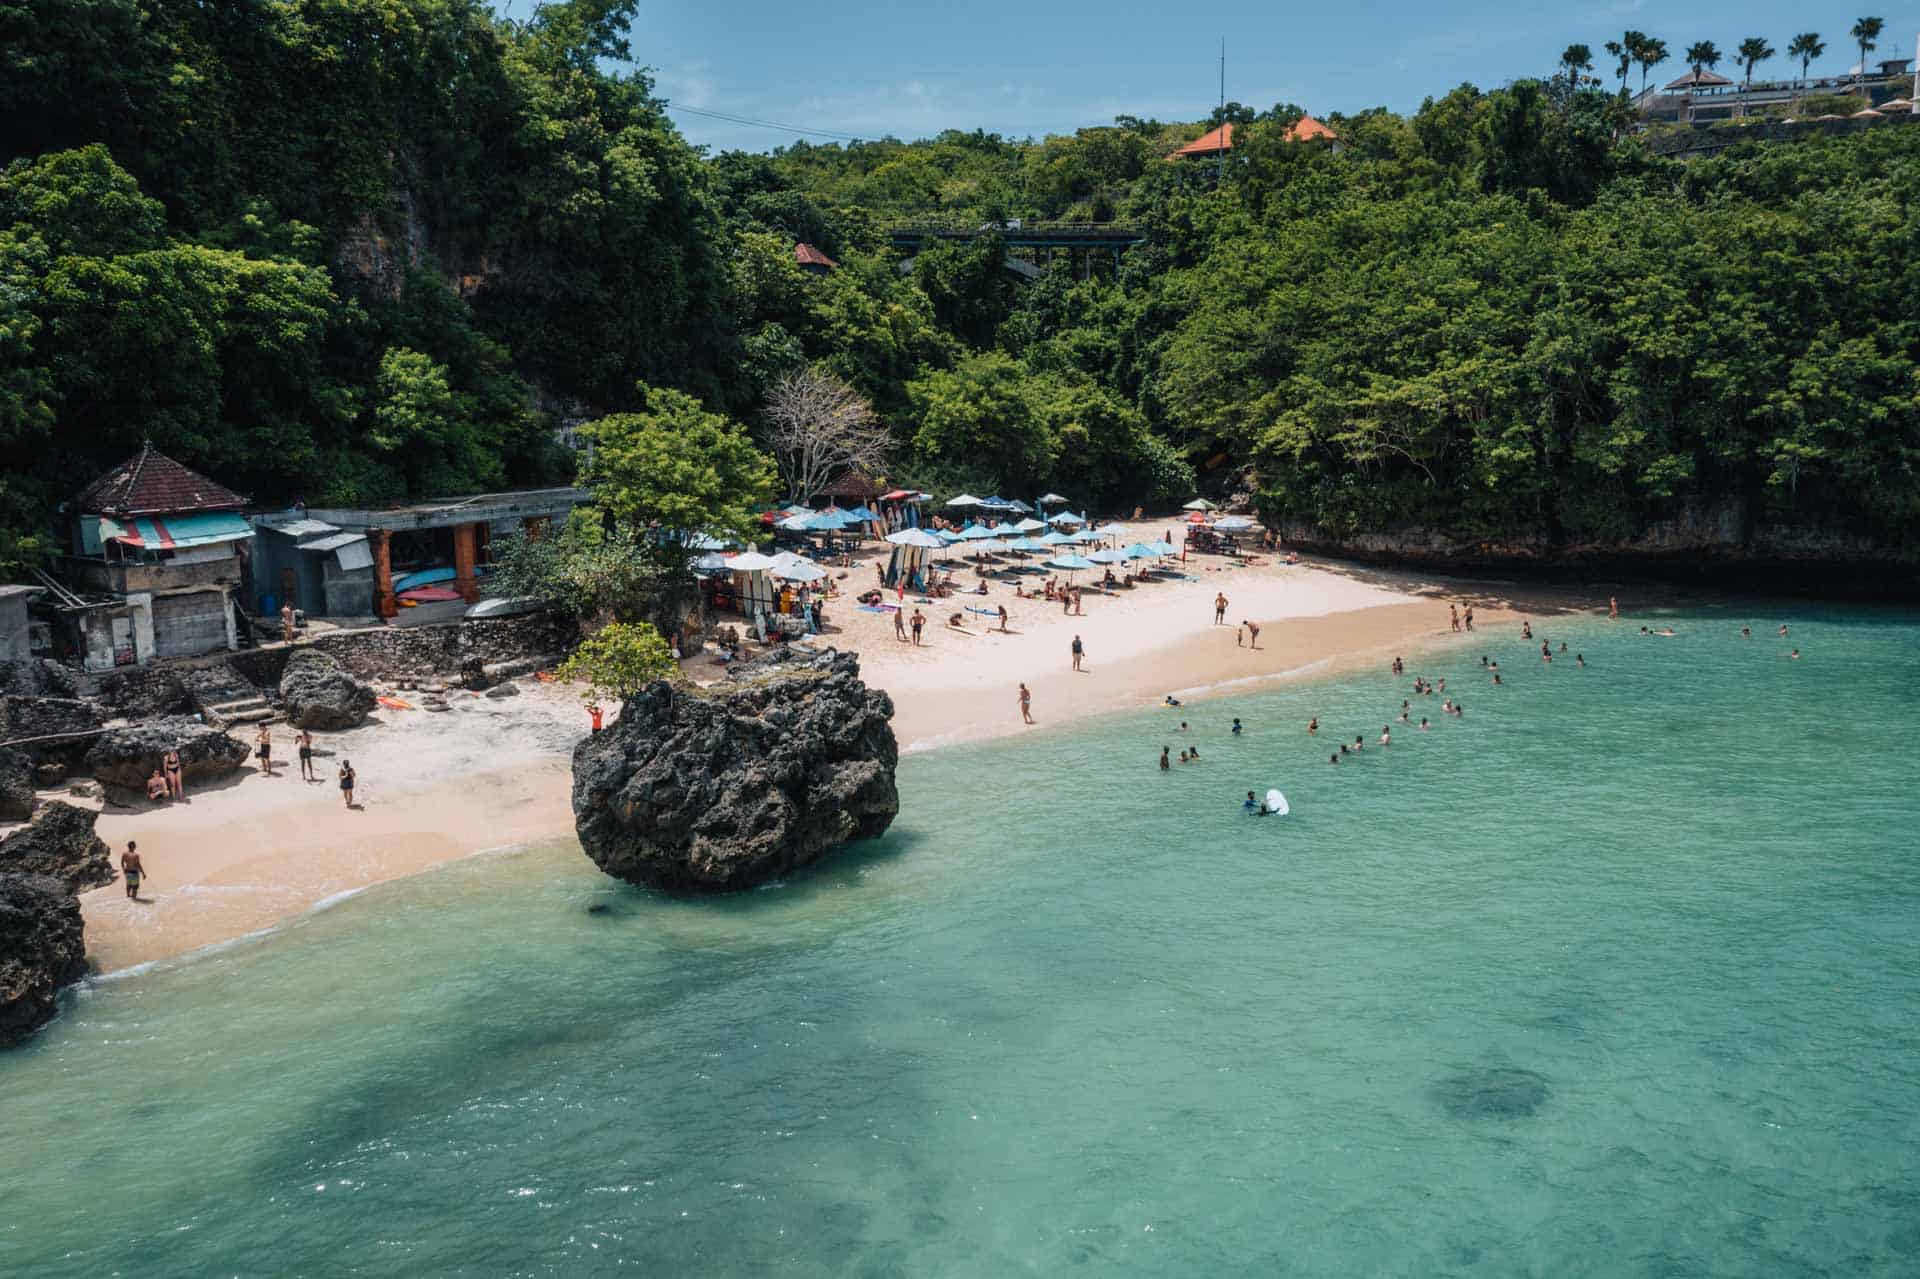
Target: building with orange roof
x: 1214, y: 142
x: 812, y: 259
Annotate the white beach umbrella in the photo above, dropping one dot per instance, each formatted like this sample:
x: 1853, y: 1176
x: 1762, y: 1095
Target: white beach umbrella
x: 1199, y: 504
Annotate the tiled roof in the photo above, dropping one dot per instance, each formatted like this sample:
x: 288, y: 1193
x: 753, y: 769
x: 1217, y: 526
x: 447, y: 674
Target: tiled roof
x: 151, y: 483
x: 1214, y: 141
x: 807, y: 255
x: 1210, y: 142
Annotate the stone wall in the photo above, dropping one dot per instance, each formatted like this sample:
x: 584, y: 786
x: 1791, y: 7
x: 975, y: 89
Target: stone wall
x: 377, y: 652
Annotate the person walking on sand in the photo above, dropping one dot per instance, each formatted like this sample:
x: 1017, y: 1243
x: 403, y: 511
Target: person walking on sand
x: 1003, y: 621
x: 263, y: 750
x: 1253, y: 634
x: 919, y: 620
x: 900, y: 626
x: 130, y: 867
x: 176, y: 782
x: 286, y: 623
x: 304, y: 743
x: 1454, y: 611
x: 1220, y: 609
x: 347, y: 776
x: 1026, y: 705
x: 1079, y: 651
x: 1240, y: 637
x: 1077, y: 610
x: 1469, y: 617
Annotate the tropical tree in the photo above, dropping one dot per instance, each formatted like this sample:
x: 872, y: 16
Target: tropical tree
x: 1753, y: 51
x: 1865, y: 33
x: 1575, y: 59
x: 619, y: 660
x: 820, y: 429
x: 1701, y: 56
x: 1650, y: 54
x: 1806, y: 46
x: 676, y: 471
x: 1618, y: 51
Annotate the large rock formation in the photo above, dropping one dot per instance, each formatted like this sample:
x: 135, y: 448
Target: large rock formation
x: 728, y: 787
x: 42, y: 948
x: 60, y: 845
x: 36, y: 677
x: 16, y: 786
x: 46, y: 722
x: 126, y: 757
x: 318, y: 693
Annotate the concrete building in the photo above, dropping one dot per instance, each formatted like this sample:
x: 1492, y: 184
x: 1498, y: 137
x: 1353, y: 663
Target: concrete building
x: 158, y: 552
x: 16, y: 642
x: 1705, y: 98
x: 444, y: 543
x: 321, y: 569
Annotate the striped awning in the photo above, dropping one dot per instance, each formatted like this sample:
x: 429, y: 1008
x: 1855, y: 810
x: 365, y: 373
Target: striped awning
x: 170, y: 532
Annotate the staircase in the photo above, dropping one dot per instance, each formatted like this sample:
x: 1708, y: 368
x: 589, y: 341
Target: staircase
x: 230, y: 701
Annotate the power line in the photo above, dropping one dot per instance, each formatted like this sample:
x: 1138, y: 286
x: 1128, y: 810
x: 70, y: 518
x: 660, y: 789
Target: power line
x: 764, y: 124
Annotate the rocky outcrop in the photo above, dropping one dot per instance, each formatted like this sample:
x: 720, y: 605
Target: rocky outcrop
x: 126, y: 757
x: 42, y: 948
x: 60, y: 845
x: 317, y: 693
x: 140, y: 692
x: 727, y: 787
x: 37, y: 677
x: 46, y: 721
x: 16, y: 786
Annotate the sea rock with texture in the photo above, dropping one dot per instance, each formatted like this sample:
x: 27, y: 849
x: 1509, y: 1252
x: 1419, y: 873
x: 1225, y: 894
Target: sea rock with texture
x: 42, y: 948
x: 42, y: 723
x: 318, y: 693
x: 16, y: 785
x: 126, y: 757
x: 727, y: 787
x: 60, y: 844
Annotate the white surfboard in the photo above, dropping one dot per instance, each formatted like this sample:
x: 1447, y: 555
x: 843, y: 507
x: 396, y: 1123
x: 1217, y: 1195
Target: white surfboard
x: 1277, y: 803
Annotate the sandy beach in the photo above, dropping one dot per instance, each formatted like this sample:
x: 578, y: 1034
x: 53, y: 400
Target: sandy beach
x: 494, y: 772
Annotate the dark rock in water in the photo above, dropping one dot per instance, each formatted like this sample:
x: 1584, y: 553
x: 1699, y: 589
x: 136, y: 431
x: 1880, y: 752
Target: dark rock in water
x: 16, y: 786
x: 1496, y: 1092
x: 126, y: 757
x: 319, y: 693
x: 42, y: 948
x: 61, y: 845
x: 730, y: 786
x: 599, y: 908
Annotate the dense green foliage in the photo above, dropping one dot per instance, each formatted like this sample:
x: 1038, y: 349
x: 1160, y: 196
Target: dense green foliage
x: 366, y: 249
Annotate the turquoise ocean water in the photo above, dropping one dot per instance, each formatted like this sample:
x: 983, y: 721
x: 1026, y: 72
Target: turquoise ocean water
x: 1620, y: 974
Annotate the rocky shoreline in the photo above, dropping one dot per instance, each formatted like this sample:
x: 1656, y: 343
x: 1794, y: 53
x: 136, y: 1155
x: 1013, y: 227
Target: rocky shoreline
x: 724, y: 788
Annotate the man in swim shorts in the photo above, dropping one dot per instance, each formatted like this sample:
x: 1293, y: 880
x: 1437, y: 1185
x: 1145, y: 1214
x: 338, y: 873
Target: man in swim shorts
x: 130, y: 867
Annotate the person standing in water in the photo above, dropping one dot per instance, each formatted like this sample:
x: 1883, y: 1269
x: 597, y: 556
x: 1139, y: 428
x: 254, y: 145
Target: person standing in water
x: 1313, y: 726
x: 1453, y: 613
x: 1469, y: 617
x: 1026, y: 705
x: 1613, y: 608
x: 1236, y: 726
x: 1165, y: 763
x: 1424, y: 726
x: 1386, y: 734
x: 130, y: 867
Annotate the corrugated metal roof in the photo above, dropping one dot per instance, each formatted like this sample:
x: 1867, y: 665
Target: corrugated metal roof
x: 333, y: 543
x: 157, y: 533
x: 302, y: 528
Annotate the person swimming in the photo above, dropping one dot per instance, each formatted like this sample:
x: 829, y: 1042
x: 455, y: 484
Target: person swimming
x: 1424, y: 726
x: 1252, y: 804
x: 1171, y: 700
x: 1483, y: 659
x: 1446, y: 708
x: 1359, y: 743
x: 1165, y: 764
x: 1193, y: 756
x: 1333, y: 759
x: 1580, y: 659
x: 1783, y: 628
x: 1183, y: 726
x: 1746, y: 632
x: 1313, y: 726
x: 1236, y: 726
x: 1526, y: 630
x: 1795, y: 654
x: 1386, y: 734
x: 1183, y: 757
x: 1497, y: 679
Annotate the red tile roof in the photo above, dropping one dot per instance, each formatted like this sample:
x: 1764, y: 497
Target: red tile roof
x: 151, y: 483
x: 1214, y: 141
x: 807, y: 255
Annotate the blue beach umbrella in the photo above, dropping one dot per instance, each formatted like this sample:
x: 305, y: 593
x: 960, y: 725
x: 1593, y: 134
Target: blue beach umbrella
x: 1066, y: 517
x: 1027, y: 544
x: 1140, y: 551
x: 1108, y: 557
x: 916, y: 537
x: 1056, y: 539
x: 977, y: 533
x: 1030, y: 525
x: 1072, y: 563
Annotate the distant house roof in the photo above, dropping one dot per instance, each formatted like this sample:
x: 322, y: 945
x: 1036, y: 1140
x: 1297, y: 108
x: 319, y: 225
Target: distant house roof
x: 151, y: 483
x: 807, y: 255
x: 1214, y: 141
x: 1699, y: 80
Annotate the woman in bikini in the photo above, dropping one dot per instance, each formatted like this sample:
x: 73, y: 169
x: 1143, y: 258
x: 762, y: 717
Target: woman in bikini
x: 170, y: 765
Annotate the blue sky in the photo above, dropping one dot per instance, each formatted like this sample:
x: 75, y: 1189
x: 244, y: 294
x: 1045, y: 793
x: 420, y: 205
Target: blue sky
x: 867, y: 68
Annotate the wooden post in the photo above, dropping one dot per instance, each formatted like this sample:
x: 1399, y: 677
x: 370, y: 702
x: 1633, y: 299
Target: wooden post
x: 383, y: 601
x: 463, y: 580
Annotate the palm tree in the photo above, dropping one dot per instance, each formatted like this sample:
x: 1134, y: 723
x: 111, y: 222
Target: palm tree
x: 1576, y: 59
x: 1651, y: 54
x: 1865, y: 32
x: 1806, y: 46
x: 1754, y: 50
x: 1702, y: 56
x: 1617, y: 50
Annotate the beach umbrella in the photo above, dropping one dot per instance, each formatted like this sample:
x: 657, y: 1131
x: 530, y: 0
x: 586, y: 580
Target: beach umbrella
x: 1027, y: 544
x: 1084, y: 535
x: 1162, y: 548
x: 1108, y: 557
x: 863, y: 515
x: 1233, y: 523
x: 1056, y: 539
x: 1066, y: 517
x: 1199, y: 504
x: 1052, y: 499
x: 712, y: 562
x: 1030, y: 525
x: 1015, y: 504
x: 795, y: 568
x: 1072, y: 563
x: 751, y: 562
x: 948, y: 537
x: 1140, y: 551
x: 977, y: 533
x: 965, y: 499
x: 916, y: 537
